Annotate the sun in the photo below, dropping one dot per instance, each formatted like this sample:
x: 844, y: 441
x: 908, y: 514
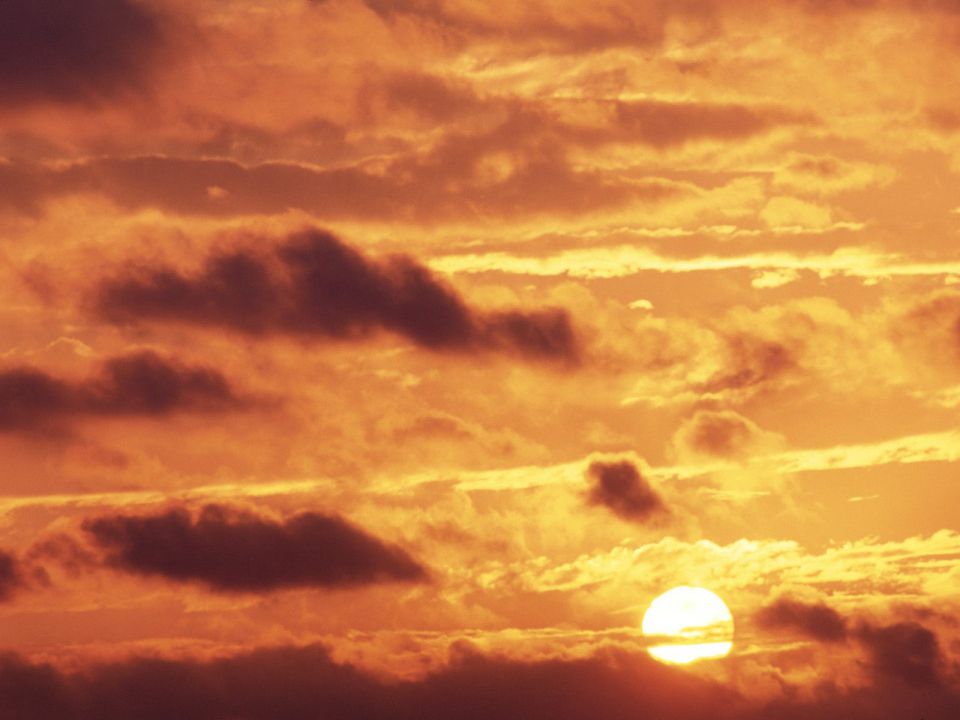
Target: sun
x: 688, y: 624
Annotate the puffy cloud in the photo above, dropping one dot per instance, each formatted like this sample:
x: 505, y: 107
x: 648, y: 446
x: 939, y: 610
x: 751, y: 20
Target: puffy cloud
x: 722, y: 434
x: 141, y: 384
x: 620, y: 487
x: 233, y: 551
x: 904, y: 651
x: 316, y: 286
x: 66, y: 51
x: 751, y: 362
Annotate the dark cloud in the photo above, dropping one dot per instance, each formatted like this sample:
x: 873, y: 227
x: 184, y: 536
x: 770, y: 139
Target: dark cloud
x: 300, y: 683
x: 620, y: 487
x: 751, y: 363
x: 69, y: 51
x: 141, y: 384
x: 817, y: 621
x: 847, y: 6
x: 13, y: 576
x: 313, y: 285
x: 820, y: 168
x: 233, y: 551
x: 30, y: 398
x: 904, y: 651
x: 289, y: 683
x: 147, y: 384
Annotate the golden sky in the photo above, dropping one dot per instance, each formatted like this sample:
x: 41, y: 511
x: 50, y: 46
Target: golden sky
x: 385, y: 359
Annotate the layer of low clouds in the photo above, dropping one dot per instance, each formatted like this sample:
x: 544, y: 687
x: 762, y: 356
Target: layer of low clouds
x: 139, y: 384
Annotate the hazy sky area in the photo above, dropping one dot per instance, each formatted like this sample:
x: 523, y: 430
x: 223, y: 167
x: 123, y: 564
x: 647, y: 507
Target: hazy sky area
x: 385, y: 360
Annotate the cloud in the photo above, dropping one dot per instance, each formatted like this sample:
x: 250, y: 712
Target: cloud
x: 946, y: 120
x: 722, y: 434
x: 13, y: 576
x: 817, y: 621
x: 286, y: 683
x: 930, y: 329
x: 233, y: 551
x: 663, y: 124
x: 567, y: 26
x: 315, y: 286
x: 462, y: 178
x: 620, y: 487
x: 141, y: 384
x: 790, y: 212
x: 68, y: 51
x: 540, y: 25
x: 628, y: 260
x: 827, y: 175
x: 904, y: 651
x: 752, y: 362
x: 513, y: 160
x: 429, y: 98
x: 22, y: 187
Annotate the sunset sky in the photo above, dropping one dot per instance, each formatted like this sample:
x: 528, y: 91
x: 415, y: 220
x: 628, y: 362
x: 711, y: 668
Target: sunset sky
x: 385, y: 359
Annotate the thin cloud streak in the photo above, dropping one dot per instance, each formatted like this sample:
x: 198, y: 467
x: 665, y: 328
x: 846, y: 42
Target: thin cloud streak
x: 910, y: 449
x: 625, y: 261
x: 930, y: 447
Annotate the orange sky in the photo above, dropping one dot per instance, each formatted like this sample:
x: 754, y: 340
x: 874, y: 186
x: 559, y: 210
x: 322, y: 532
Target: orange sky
x: 372, y: 359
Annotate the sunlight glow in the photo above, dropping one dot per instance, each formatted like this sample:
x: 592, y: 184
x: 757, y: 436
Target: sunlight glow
x: 695, y: 623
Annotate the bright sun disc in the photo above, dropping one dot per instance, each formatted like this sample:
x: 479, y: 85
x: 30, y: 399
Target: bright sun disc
x: 688, y: 624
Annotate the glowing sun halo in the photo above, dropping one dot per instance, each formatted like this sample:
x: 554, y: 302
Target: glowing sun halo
x: 688, y: 624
